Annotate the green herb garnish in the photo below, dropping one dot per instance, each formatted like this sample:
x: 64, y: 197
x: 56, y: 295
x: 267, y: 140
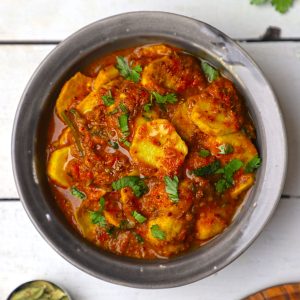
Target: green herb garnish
x: 128, y: 72
x: 164, y: 99
x: 125, y: 142
x: 204, y: 153
x: 123, y: 123
x: 207, y: 170
x: 138, y: 237
x: 101, y: 204
x: 97, y: 218
x: 113, y: 144
x: 108, y: 99
x: 210, y: 72
x: 123, y: 107
x: 172, y: 188
x: 225, y: 149
x: 114, y: 111
x: 228, y: 172
x: 147, y: 107
x: 281, y: 6
x: 136, y: 183
x: 139, y: 217
x: 157, y: 232
x: 253, y: 164
x: 78, y: 194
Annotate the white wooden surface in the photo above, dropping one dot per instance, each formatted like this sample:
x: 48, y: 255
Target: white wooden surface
x: 24, y: 255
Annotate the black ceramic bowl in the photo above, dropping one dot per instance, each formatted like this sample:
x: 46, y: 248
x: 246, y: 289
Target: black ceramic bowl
x: 32, y: 120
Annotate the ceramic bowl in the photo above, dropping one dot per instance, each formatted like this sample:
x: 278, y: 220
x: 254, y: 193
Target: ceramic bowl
x: 32, y: 121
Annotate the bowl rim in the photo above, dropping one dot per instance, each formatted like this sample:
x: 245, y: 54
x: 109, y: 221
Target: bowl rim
x: 158, y: 267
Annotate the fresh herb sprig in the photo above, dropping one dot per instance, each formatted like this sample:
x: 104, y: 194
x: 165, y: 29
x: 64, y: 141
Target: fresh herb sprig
x: 77, y: 193
x: 208, y: 169
x: 108, y: 99
x: 136, y: 183
x: 253, y: 164
x: 157, y: 232
x: 172, y: 188
x: 129, y: 72
x: 165, y: 99
x: 281, y: 6
x: 139, y: 217
x: 211, y: 73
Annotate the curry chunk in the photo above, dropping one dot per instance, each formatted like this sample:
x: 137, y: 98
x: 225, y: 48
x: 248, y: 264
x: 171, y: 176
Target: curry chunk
x: 156, y: 144
x: 209, y: 225
x: 56, y: 166
x: 177, y: 73
x: 105, y: 75
x: 74, y: 89
x: 241, y: 184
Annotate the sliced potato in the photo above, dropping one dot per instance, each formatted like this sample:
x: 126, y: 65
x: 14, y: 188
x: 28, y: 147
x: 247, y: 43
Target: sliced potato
x: 212, y: 117
x: 89, y: 102
x: 76, y: 87
x: 243, y: 148
x: 241, y: 184
x: 104, y: 76
x: 111, y: 219
x: 83, y: 220
x: 169, y: 226
x: 158, y: 145
x: 56, y: 166
x: 208, y: 225
x: 63, y: 138
x: 145, y: 117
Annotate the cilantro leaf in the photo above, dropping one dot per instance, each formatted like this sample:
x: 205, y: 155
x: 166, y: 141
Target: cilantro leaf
x: 204, y: 153
x: 157, y: 232
x: 147, y: 107
x: 138, y: 237
x: 210, y: 72
x: 123, y: 123
x: 113, y: 144
x: 208, y: 170
x: 225, y: 149
x: 108, y: 99
x: 139, y: 217
x: 253, y: 164
x: 221, y: 186
x: 258, y: 2
x: 128, y: 72
x: 172, y: 188
x: 78, y: 194
x: 282, y: 5
x: 164, y: 99
x: 123, y: 107
x: 136, y: 183
x: 97, y: 218
x: 102, y: 204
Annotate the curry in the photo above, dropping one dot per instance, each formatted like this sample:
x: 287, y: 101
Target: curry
x: 151, y: 152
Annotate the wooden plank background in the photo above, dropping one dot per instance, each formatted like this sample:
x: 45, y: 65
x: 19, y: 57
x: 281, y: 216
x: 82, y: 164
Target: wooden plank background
x: 28, y: 31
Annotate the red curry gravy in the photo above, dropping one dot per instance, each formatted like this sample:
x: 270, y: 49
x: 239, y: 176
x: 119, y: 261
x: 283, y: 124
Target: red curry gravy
x: 151, y: 151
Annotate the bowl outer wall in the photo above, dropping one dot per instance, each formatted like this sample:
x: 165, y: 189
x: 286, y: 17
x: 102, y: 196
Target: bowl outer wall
x: 119, y: 32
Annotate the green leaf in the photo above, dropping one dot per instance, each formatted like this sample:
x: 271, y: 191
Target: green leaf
x: 97, y: 218
x: 125, y: 142
x: 172, y: 188
x: 139, y: 217
x: 138, y: 237
x: 108, y: 99
x: 164, y: 99
x: 78, y: 194
x: 225, y: 149
x: 147, y: 107
x: 123, y: 123
x: 113, y: 144
x: 258, y: 2
x: 102, y: 204
x: 204, y: 153
x: 208, y: 170
x: 136, y: 183
x: 128, y: 72
x: 210, y: 72
x: 282, y: 5
x: 253, y: 164
x: 157, y: 232
x: 222, y: 185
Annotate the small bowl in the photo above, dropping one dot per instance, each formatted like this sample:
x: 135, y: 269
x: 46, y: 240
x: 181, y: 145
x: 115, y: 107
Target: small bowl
x: 40, y: 281
x: 33, y: 117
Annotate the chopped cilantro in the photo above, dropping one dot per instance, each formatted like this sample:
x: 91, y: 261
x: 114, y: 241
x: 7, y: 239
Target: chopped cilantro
x: 157, y: 232
x: 78, y: 194
x: 281, y: 6
x: 210, y: 72
x: 97, y: 218
x: 123, y: 107
x: 164, y: 99
x: 253, y: 164
x: 113, y: 144
x: 172, y: 188
x: 147, y: 107
x: 125, y: 142
x: 139, y: 217
x: 204, y: 153
x: 208, y: 169
x: 136, y: 183
x: 225, y: 149
x: 108, y: 99
x: 138, y: 237
x: 101, y: 204
x: 129, y: 72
